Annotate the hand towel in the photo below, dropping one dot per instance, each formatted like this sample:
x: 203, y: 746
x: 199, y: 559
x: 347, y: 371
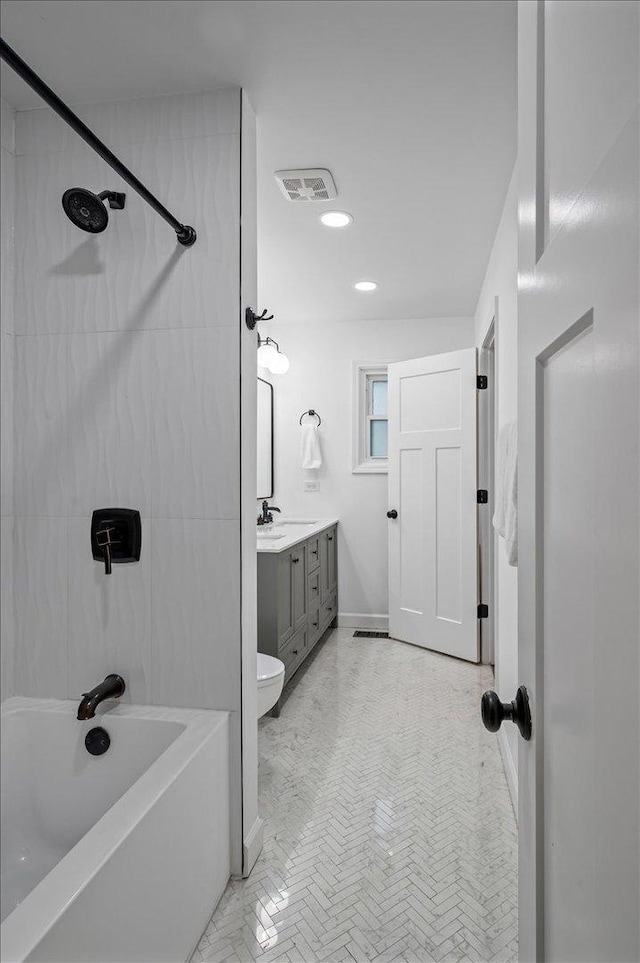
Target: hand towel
x: 505, y: 518
x: 311, y: 454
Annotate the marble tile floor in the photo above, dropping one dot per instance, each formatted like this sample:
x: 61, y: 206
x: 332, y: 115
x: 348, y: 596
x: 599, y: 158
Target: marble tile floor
x: 389, y: 830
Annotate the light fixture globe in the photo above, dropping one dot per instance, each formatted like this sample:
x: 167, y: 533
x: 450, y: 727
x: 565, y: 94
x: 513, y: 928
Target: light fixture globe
x: 279, y: 364
x: 266, y: 354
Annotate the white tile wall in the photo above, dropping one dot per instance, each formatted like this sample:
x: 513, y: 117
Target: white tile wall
x: 109, y: 617
x: 127, y: 394
x: 7, y: 649
x: 7, y: 287
x: 174, y: 117
x: 195, y: 471
x: 110, y: 416
x: 196, y: 597
x: 40, y: 606
x: 6, y: 425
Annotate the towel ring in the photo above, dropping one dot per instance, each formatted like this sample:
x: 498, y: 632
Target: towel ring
x: 313, y: 414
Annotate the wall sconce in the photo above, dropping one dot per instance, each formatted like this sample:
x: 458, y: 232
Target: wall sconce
x: 270, y: 357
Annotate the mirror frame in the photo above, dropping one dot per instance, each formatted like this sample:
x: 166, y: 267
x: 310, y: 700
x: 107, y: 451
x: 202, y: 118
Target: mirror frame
x: 270, y: 494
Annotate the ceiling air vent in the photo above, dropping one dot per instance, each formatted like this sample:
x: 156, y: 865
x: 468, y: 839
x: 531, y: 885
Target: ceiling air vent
x: 314, y: 184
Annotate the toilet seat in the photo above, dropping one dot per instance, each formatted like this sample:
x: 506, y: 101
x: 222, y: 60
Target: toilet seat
x: 268, y: 669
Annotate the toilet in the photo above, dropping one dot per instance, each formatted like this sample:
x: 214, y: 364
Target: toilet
x: 270, y: 682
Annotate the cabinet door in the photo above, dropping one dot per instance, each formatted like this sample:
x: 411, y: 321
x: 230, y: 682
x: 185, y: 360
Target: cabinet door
x: 324, y: 567
x: 285, y: 608
x: 299, y: 586
x: 332, y: 559
x: 328, y: 563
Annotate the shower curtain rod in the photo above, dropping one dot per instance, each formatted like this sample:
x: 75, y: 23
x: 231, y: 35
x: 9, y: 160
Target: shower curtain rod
x: 186, y: 235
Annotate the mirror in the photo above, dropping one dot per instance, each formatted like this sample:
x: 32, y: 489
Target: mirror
x: 265, y: 439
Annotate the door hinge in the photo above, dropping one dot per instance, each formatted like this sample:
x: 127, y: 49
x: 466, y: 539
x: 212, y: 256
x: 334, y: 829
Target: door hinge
x: 483, y: 496
x: 483, y: 611
x: 482, y: 381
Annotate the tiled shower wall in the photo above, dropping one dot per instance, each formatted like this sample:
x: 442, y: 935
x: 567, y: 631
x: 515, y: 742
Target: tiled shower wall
x: 127, y: 394
x: 7, y: 264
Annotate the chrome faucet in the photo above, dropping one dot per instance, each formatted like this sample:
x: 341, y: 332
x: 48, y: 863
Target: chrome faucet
x: 111, y: 688
x: 266, y: 518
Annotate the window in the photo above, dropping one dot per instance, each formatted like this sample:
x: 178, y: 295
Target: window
x: 370, y: 414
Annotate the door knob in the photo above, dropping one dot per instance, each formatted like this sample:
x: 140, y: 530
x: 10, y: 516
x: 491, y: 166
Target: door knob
x: 518, y: 711
x: 392, y: 513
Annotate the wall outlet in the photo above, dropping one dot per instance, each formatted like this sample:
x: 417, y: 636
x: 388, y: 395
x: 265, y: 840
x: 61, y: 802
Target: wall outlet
x: 312, y: 486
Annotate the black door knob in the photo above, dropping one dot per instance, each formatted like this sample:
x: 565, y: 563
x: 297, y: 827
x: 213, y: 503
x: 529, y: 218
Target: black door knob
x: 518, y: 711
x: 392, y: 513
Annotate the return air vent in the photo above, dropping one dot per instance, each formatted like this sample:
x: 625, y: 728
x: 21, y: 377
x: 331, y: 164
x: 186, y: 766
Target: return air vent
x: 315, y: 184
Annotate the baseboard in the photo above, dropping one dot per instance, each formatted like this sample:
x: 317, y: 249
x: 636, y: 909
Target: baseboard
x: 509, y: 769
x: 252, y: 846
x: 355, y: 620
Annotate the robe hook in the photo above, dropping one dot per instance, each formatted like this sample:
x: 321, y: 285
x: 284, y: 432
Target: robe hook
x: 252, y: 318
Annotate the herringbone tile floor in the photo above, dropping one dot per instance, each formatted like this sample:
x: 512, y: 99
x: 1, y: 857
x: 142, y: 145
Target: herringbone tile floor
x: 389, y: 830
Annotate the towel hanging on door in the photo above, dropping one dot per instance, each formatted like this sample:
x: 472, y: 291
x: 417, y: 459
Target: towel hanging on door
x: 505, y: 518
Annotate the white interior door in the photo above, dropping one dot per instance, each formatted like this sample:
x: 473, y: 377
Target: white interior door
x: 433, y: 584
x: 578, y: 321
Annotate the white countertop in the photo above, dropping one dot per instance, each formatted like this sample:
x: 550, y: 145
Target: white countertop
x: 291, y: 532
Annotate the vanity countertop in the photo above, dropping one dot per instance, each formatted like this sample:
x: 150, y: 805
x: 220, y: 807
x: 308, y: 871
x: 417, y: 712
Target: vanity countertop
x: 292, y: 531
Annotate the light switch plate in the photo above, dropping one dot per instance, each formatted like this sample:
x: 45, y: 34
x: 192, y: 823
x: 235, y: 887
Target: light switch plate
x: 312, y: 486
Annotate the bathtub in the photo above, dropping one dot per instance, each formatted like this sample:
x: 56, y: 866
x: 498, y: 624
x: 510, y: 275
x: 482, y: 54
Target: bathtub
x: 117, y: 857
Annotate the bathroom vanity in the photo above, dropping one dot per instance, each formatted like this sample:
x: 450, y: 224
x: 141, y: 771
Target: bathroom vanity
x: 297, y: 589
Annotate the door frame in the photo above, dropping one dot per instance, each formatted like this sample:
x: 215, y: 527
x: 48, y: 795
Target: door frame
x: 487, y: 573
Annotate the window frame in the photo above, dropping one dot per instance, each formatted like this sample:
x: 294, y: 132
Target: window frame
x: 363, y: 375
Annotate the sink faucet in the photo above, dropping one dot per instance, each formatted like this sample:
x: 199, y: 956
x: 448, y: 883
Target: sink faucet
x: 266, y: 516
x: 111, y: 688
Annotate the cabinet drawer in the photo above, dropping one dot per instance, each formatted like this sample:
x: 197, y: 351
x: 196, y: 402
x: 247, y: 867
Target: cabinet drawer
x: 293, y: 653
x: 313, y: 548
x: 328, y: 611
x: 313, y: 590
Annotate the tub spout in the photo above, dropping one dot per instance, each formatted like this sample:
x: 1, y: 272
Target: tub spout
x: 112, y: 688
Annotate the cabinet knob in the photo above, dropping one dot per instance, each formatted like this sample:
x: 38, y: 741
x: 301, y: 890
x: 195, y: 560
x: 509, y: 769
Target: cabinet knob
x: 295, y: 651
x: 295, y: 560
x: 392, y: 513
x: 329, y: 538
x: 315, y: 625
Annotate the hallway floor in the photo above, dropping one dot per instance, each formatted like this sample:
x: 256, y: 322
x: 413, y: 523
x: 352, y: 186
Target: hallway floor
x: 389, y: 829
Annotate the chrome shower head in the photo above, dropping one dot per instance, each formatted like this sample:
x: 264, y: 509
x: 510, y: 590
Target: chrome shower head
x: 87, y: 210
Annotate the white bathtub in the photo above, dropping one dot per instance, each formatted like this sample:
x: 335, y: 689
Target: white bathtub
x: 119, y: 857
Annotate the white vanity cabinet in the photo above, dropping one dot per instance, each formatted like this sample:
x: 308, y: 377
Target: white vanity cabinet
x: 297, y: 593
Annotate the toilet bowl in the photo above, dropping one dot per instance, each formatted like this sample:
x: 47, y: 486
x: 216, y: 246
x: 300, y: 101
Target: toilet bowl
x: 270, y: 682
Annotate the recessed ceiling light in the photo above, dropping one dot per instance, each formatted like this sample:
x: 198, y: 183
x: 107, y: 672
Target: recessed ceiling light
x: 336, y: 218
x: 365, y: 285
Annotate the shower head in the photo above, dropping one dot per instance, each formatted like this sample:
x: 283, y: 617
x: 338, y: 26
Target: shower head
x: 87, y: 210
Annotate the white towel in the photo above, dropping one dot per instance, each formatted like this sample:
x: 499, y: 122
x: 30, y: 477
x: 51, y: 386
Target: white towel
x: 505, y: 518
x: 311, y: 454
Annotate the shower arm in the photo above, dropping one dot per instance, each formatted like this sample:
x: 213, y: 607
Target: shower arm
x: 186, y: 235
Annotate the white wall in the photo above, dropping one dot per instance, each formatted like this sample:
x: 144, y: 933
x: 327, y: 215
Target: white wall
x: 127, y: 393
x: 499, y: 299
x: 320, y: 377
x: 7, y: 267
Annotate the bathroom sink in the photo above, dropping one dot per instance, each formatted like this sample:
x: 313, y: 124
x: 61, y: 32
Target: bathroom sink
x: 270, y: 534
x: 299, y: 521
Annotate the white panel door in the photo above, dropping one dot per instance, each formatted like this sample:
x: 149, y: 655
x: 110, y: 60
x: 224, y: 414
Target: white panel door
x: 578, y: 486
x: 433, y: 586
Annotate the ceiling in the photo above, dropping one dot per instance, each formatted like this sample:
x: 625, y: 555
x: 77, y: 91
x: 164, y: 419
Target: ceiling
x: 411, y: 105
